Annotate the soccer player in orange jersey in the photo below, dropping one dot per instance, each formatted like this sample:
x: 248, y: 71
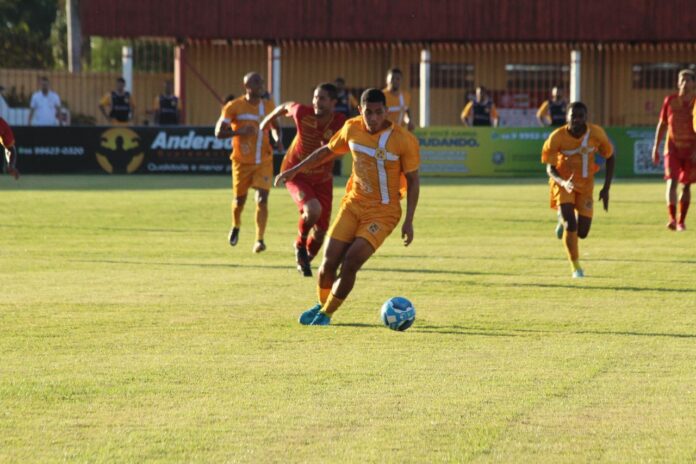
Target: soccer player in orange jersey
x: 680, y: 147
x: 569, y: 157
x: 312, y: 190
x: 382, y: 151
x: 8, y: 143
x: 398, y: 101
x: 252, y: 155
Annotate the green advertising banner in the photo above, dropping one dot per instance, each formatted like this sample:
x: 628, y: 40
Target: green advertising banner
x: 516, y: 152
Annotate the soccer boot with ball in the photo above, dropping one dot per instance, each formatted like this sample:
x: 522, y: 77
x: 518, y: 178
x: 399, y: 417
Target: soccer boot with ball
x: 308, y: 316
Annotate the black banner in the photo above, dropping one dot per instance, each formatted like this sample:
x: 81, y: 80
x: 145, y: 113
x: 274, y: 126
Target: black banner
x: 126, y: 150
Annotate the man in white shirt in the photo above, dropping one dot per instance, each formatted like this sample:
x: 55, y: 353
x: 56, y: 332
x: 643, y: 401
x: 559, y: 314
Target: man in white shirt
x: 44, y: 108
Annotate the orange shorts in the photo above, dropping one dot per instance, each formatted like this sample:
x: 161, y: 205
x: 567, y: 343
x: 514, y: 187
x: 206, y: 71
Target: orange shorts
x: 245, y: 176
x: 369, y: 222
x: 582, y: 202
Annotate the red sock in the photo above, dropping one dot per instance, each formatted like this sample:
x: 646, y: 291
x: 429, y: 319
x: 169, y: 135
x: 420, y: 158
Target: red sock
x: 302, y: 232
x: 313, y: 245
x: 672, y: 209
x: 683, y: 208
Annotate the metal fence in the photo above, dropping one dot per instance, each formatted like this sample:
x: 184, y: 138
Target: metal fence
x: 622, y: 84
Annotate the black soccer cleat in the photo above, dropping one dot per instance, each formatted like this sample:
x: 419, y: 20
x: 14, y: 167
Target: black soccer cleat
x: 302, y: 260
x: 233, y: 236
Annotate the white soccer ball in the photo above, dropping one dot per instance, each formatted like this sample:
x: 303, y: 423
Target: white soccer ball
x: 398, y: 313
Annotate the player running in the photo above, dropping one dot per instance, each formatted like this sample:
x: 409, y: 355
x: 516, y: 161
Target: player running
x: 312, y: 190
x: 7, y: 141
x: 569, y: 157
x: 680, y: 148
x: 370, y: 210
x: 252, y: 155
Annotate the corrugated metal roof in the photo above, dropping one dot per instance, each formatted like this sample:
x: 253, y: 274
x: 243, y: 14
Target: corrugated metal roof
x: 382, y: 20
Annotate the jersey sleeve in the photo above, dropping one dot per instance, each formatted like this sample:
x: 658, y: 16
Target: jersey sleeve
x: 228, y: 112
x: 467, y: 110
x: 543, y: 109
x: 606, y: 149
x: 6, y: 136
x: 410, y: 158
x: 339, y: 142
x: 664, y: 112
x: 549, y: 150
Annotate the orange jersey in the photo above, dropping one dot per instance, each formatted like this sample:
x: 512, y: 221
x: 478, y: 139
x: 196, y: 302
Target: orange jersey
x: 575, y: 157
x: 379, y: 160
x: 397, y: 105
x: 678, y: 115
x: 248, y: 149
x: 310, y: 136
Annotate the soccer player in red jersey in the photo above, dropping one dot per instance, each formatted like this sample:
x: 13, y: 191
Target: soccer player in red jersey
x: 680, y: 147
x: 7, y: 141
x: 312, y: 190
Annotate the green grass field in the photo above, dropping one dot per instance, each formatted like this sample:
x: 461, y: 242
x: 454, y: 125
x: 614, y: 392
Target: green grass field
x: 130, y: 331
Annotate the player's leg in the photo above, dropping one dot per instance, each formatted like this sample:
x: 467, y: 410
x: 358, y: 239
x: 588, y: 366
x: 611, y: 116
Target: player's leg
x: 333, y: 256
x: 262, y: 181
x: 672, y: 170
x: 684, y: 202
x: 355, y: 256
x: 241, y: 181
x: 584, y: 224
x: 324, y: 194
x: 261, y: 219
x: 570, y: 237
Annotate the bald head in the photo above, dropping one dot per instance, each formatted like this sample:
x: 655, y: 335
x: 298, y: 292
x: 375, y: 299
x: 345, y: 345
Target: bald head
x: 253, y: 83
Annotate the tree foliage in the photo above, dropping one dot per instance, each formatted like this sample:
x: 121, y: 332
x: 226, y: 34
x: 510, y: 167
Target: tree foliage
x: 25, y: 30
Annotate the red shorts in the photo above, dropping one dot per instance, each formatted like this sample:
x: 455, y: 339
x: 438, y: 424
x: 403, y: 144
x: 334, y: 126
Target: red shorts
x: 303, y: 191
x: 679, y: 166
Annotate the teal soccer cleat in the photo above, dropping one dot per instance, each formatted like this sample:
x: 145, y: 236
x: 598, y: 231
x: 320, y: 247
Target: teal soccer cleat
x: 559, y: 230
x: 308, y: 316
x: 578, y: 274
x: 321, y: 319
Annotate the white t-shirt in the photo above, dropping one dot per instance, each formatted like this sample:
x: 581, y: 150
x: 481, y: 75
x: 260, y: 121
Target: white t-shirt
x: 44, y: 107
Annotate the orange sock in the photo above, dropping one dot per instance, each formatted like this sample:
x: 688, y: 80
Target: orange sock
x: 331, y: 305
x: 323, y: 294
x: 570, y: 239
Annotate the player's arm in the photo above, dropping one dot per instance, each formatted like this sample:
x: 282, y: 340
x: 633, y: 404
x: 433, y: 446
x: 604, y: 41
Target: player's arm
x: 465, y: 114
x: 280, y: 110
x: 608, y: 177
x: 659, y: 136
x: 541, y: 114
x: 495, y: 118
x: 409, y: 120
x: 553, y: 173
x: 11, y: 162
x: 317, y: 157
x: 412, y: 194
x: 103, y: 103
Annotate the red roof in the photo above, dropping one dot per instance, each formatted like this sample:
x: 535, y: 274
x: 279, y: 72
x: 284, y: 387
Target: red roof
x: 383, y: 20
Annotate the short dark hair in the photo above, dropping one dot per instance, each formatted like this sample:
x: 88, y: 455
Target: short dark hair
x: 373, y: 96
x: 229, y: 98
x: 120, y: 79
x: 330, y: 89
x: 395, y: 71
x: 577, y: 105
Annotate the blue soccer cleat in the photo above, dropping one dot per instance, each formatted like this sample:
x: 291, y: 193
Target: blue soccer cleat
x: 321, y: 319
x: 559, y: 230
x: 308, y: 316
x: 578, y: 274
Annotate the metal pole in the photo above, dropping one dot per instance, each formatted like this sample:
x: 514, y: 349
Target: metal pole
x: 180, y: 79
x: 575, y: 65
x: 275, y: 54
x: 74, y: 36
x: 127, y: 62
x: 424, y: 102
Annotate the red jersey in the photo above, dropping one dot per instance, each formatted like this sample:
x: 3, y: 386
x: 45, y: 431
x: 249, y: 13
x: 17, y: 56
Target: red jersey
x: 310, y: 136
x: 677, y: 114
x: 6, y: 135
